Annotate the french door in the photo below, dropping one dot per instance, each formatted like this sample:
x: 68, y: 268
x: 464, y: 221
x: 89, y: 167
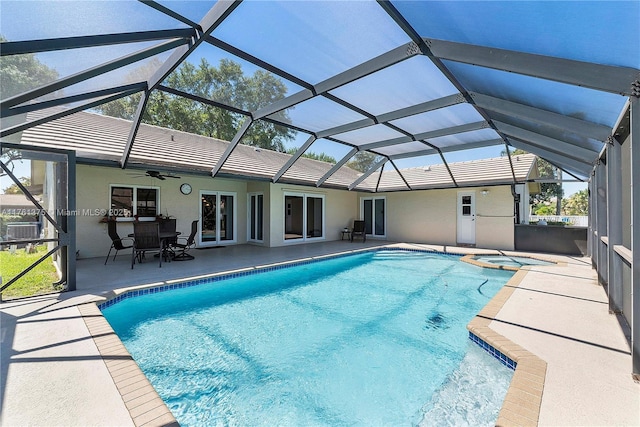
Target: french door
x: 303, y: 216
x: 372, y: 210
x: 217, y: 223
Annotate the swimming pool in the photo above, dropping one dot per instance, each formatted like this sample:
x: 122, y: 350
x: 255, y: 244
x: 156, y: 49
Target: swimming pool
x: 377, y: 338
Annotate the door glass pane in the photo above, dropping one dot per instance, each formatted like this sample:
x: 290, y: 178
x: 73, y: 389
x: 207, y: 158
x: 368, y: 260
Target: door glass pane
x: 466, y: 210
x: 368, y: 216
x: 293, y: 217
x: 209, y: 224
x: 314, y: 217
x: 252, y: 218
x: 259, y: 215
x: 379, y: 217
x: 226, y: 218
x: 466, y: 200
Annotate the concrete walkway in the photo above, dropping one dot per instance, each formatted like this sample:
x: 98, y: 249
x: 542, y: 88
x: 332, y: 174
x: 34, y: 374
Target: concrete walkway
x: 53, y: 374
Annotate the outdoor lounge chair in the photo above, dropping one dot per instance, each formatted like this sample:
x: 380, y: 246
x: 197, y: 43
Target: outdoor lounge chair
x: 358, y: 230
x: 146, y: 238
x: 116, y: 241
x: 188, y: 244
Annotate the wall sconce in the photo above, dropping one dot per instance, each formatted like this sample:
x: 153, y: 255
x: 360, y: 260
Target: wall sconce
x: 485, y: 192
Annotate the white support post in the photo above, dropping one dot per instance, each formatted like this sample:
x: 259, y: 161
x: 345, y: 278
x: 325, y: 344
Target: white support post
x: 614, y: 224
x: 601, y: 207
x: 635, y: 236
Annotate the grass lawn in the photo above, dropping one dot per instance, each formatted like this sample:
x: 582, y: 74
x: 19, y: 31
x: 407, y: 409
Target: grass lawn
x: 38, y: 281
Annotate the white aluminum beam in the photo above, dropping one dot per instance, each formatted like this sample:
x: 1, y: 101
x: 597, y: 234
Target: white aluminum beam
x: 337, y: 166
x: 594, y: 76
x: 614, y: 224
x: 452, y: 148
x: 135, y: 126
x: 232, y: 145
x: 369, y: 171
x: 90, y: 73
x: 635, y: 236
x: 378, y: 63
x: 566, y: 123
x: 293, y: 158
x: 563, y: 148
x: 570, y: 164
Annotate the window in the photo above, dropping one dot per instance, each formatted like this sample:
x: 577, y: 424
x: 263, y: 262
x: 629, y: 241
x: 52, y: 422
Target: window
x: 131, y: 201
x: 304, y: 216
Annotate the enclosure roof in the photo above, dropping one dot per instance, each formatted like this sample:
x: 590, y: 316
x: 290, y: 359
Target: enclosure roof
x: 399, y: 79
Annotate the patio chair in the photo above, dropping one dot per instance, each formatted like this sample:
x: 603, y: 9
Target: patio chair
x: 359, y: 230
x: 116, y: 241
x: 168, y: 226
x: 146, y: 238
x: 188, y: 244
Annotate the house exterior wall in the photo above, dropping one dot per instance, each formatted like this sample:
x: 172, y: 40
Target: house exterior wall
x: 430, y: 216
x: 92, y: 193
x: 427, y: 216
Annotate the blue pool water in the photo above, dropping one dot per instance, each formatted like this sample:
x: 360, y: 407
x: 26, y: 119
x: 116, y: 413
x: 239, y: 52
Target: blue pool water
x: 372, y: 339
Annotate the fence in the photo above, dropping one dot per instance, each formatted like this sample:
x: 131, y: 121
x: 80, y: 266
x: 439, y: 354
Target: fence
x: 576, y: 220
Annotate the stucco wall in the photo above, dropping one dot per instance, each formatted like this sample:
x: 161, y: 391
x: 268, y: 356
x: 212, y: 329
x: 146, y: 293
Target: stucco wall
x: 429, y: 216
x: 418, y: 216
x: 92, y: 192
x: 494, y: 219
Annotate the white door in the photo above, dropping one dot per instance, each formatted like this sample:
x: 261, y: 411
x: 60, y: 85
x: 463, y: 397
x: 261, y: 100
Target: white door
x: 466, y: 218
x: 372, y: 211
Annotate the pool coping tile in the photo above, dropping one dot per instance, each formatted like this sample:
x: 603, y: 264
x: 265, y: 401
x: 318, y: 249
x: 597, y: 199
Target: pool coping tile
x: 147, y: 408
x: 521, y: 405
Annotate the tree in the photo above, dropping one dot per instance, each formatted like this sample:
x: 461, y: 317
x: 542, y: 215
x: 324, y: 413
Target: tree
x: 14, y: 189
x: 323, y: 157
x: 226, y: 84
x: 576, y: 204
x: 21, y: 73
x: 363, y: 160
x: 550, y: 192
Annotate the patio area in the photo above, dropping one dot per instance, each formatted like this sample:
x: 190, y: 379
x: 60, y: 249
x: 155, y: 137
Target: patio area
x: 55, y: 373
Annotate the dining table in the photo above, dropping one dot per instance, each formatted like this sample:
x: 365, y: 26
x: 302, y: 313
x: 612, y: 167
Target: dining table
x: 164, y: 237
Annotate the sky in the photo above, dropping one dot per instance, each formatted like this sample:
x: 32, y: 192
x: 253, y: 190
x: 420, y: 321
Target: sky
x: 293, y: 36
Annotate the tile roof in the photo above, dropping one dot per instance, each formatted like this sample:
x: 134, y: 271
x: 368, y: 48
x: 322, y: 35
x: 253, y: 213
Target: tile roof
x: 97, y: 137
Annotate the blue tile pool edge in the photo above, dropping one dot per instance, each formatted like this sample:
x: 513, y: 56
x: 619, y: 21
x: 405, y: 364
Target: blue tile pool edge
x: 502, y: 358
x: 250, y: 271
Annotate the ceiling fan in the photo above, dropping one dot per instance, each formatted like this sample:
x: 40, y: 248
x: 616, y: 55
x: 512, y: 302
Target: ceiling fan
x: 157, y: 174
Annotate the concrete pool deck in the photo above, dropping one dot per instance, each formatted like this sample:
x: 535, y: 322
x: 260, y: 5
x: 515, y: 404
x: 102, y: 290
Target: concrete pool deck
x: 61, y: 366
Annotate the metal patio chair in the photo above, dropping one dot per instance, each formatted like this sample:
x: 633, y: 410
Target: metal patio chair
x: 359, y: 230
x: 116, y: 241
x: 146, y: 238
x: 189, y: 243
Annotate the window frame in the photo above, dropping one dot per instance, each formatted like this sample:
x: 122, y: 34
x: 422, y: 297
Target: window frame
x: 114, y: 212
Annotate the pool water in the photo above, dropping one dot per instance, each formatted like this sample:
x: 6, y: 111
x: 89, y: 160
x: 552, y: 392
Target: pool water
x: 372, y: 339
